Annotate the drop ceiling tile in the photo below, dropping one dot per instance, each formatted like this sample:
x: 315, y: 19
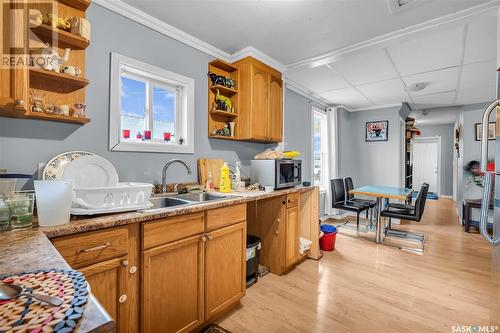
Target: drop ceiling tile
x: 347, y: 96
x: 478, y: 75
x: 481, y: 42
x: 437, y: 81
x: 318, y: 79
x: 434, y: 50
x: 435, y: 100
x: 476, y: 95
x: 366, y: 67
x: 385, y: 92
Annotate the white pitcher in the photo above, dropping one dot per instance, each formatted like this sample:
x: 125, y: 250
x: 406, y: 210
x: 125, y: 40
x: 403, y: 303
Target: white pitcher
x: 53, y: 201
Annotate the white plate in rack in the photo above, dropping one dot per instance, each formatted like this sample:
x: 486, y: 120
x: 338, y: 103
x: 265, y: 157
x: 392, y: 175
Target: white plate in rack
x: 90, y: 171
x: 53, y: 170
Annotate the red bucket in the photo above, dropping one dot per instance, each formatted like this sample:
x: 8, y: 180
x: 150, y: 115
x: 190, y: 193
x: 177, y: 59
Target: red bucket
x: 327, y: 242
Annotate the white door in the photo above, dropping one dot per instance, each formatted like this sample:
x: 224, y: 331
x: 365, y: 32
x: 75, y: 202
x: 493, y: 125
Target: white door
x: 425, y: 164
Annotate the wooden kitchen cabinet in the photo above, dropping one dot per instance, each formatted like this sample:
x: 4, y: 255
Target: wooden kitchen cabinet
x: 108, y: 281
x: 292, y: 236
x: 13, y: 80
x: 172, y: 286
x: 109, y: 260
x: 275, y: 116
x: 260, y: 101
x: 225, y: 268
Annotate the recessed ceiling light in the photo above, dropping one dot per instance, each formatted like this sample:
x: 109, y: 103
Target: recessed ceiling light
x: 417, y: 86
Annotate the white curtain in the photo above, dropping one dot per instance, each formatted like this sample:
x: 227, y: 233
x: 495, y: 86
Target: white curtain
x: 332, y: 156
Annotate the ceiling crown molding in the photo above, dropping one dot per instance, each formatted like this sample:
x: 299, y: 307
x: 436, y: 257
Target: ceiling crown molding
x: 259, y: 55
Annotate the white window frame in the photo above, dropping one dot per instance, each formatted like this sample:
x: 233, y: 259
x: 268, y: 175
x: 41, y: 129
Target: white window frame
x: 324, y: 152
x: 184, y: 115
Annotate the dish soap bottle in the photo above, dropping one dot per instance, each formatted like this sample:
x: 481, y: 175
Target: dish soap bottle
x: 210, y: 182
x: 225, y: 180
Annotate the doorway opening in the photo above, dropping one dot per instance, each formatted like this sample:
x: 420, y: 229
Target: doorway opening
x: 427, y: 163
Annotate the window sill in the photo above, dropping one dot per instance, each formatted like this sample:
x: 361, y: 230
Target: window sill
x: 153, y: 147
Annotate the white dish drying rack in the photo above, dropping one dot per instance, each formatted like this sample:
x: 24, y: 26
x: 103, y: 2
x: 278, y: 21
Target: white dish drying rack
x: 120, y: 198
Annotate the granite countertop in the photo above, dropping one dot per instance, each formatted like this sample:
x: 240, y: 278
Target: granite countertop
x: 31, y: 249
x: 84, y: 224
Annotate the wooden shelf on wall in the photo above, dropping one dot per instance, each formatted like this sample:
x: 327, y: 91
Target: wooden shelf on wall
x: 43, y: 116
x: 64, y: 39
x: 225, y: 66
x: 222, y: 137
x: 223, y: 89
x: 71, y: 82
x: 78, y: 4
x: 224, y: 114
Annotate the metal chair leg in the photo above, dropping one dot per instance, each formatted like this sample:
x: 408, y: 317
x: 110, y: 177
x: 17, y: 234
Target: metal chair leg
x: 390, y: 223
x: 357, y: 225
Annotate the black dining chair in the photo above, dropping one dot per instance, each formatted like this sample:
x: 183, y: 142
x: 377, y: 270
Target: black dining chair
x: 339, y: 201
x: 349, y: 185
x: 407, y: 212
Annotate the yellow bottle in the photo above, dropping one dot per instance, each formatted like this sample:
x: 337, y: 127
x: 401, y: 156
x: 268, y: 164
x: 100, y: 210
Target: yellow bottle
x: 225, y: 180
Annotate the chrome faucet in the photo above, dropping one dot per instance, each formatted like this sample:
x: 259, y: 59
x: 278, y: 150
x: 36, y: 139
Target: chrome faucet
x: 164, y: 173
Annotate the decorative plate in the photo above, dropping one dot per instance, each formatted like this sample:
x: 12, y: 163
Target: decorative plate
x: 90, y: 171
x: 54, y: 168
x: 26, y: 314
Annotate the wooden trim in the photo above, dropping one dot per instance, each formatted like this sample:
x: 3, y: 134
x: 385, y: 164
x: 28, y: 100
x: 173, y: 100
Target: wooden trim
x: 133, y: 277
x: 77, y: 4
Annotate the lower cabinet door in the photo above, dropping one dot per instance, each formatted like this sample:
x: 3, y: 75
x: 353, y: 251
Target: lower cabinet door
x: 292, y: 236
x: 172, y: 286
x: 225, y: 265
x: 108, y: 281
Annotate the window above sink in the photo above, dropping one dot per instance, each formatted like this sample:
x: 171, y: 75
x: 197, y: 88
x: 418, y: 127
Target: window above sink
x: 151, y: 109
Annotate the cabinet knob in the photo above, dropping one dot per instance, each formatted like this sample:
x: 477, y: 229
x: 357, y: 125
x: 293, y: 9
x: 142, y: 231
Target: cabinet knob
x: 124, y: 263
x: 122, y: 298
x: 203, y: 239
x: 278, y: 220
x: 132, y: 269
x: 289, y: 200
x: 277, y: 232
x: 283, y: 202
x: 210, y: 237
x: 19, y: 102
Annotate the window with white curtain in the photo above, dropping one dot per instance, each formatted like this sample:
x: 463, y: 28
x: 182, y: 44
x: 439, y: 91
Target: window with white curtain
x: 320, y: 149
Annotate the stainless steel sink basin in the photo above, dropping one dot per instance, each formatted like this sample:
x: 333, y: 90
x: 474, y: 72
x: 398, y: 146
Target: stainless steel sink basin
x: 165, y: 202
x: 199, y: 197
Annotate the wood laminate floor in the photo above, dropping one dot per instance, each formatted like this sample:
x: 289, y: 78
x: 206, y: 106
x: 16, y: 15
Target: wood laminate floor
x: 365, y: 287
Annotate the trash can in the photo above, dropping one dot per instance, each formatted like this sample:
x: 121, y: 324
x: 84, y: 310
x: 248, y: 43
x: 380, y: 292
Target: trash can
x: 253, y: 250
x: 327, y: 242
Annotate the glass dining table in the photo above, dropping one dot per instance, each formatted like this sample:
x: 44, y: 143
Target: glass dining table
x: 380, y: 193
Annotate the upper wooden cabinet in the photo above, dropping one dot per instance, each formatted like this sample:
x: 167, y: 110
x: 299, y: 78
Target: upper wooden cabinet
x: 257, y: 101
x: 13, y: 78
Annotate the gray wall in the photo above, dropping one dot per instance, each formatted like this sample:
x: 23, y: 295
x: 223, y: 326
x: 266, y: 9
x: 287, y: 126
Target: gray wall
x: 297, y: 129
x: 446, y: 132
x: 369, y: 163
x: 23, y: 143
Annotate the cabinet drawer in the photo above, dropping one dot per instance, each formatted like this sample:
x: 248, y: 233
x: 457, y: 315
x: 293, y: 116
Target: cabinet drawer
x: 221, y: 217
x: 93, y: 247
x: 171, y: 229
x: 292, y: 200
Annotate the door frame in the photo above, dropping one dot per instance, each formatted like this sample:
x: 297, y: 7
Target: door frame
x: 430, y: 139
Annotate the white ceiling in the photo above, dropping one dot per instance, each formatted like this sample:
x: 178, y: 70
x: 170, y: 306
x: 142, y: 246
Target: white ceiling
x: 362, y: 54
x: 437, y: 116
x: 292, y: 30
x: 457, y: 62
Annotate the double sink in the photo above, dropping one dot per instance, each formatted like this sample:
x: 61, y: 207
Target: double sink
x: 184, y: 199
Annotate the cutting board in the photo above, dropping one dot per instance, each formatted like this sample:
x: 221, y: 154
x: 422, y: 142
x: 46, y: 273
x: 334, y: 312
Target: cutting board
x: 206, y: 165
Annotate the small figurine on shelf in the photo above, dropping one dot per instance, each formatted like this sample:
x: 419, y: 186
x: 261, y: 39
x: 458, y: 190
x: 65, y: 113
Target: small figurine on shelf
x: 36, y: 101
x: 80, y: 26
x: 227, y: 132
x: 139, y: 136
x: 79, y: 110
x: 50, y: 60
x: 223, y: 102
x: 71, y: 70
